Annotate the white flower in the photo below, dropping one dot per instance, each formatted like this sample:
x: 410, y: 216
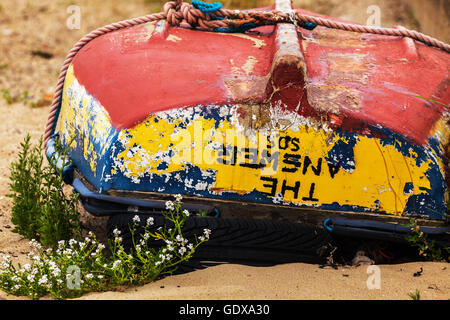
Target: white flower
x: 201, y: 238
x: 30, y: 277
x: 61, y: 244
x: 206, y: 232
x: 116, y: 264
x: 178, y: 197
x: 56, y: 272
x: 170, y: 205
x: 182, y: 250
x: 136, y: 219
x: 118, y: 239
x: 190, y: 246
x: 186, y: 212
x: 181, y: 240
x: 100, y: 276
x: 89, y: 276
x: 150, y: 221
x: 35, y: 244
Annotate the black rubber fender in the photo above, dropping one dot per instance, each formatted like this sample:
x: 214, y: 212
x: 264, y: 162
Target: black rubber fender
x: 244, y: 241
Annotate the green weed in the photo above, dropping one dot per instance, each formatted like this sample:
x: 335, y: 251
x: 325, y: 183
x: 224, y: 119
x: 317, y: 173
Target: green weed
x: 62, y: 264
x: 22, y: 97
x: 426, y: 248
x: 414, y: 295
x: 41, y: 210
x: 76, y: 267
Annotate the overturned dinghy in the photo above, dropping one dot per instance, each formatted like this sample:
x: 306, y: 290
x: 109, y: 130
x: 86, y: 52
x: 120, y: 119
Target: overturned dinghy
x: 279, y: 122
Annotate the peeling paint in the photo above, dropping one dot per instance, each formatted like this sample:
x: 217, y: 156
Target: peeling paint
x: 311, y: 145
x: 335, y: 38
x: 83, y: 117
x: 151, y: 26
x: 249, y: 65
x: 173, y: 38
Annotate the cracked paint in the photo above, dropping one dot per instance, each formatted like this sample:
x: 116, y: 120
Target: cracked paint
x: 173, y: 38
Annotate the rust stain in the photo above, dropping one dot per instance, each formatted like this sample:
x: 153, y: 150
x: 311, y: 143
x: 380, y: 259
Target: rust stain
x: 253, y: 117
x: 246, y: 68
x: 246, y: 88
x: 348, y: 67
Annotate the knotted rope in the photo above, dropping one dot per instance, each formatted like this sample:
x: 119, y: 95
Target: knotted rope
x: 212, y: 17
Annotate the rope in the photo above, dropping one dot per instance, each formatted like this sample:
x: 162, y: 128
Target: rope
x: 213, y: 18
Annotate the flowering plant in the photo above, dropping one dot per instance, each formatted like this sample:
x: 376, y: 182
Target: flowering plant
x: 76, y: 267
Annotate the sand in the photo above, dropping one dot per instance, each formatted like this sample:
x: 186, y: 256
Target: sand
x: 26, y: 26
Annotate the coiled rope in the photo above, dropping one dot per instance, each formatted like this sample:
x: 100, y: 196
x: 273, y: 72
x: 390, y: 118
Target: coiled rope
x: 213, y: 18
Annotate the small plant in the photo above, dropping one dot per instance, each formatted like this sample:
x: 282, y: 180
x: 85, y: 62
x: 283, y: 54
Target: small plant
x: 427, y: 249
x: 41, y: 210
x: 414, y: 295
x: 143, y: 263
x: 76, y: 267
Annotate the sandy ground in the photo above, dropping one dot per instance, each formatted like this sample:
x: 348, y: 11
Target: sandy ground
x: 27, y: 26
